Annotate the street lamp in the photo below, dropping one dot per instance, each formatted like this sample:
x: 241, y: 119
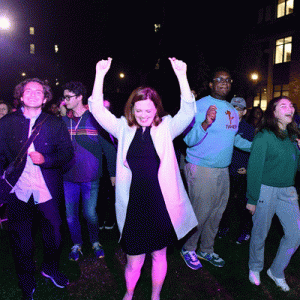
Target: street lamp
x: 4, y: 23
x: 254, y: 77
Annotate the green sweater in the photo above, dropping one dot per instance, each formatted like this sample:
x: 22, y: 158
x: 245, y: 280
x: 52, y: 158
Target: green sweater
x: 272, y: 162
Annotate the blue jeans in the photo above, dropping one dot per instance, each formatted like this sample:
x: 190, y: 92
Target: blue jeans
x: 89, y: 195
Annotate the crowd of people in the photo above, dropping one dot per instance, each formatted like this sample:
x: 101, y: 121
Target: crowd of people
x: 239, y: 170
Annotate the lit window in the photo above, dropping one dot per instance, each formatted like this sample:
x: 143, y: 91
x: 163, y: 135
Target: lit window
x: 261, y: 99
x: 157, y: 27
x: 31, y: 30
x: 285, y: 7
x: 283, y: 51
x: 281, y: 90
x: 32, y: 49
x: 55, y: 48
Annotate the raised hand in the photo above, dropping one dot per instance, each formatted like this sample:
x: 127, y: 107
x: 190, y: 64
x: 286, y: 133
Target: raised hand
x: 210, y: 117
x: 103, y: 66
x: 178, y: 66
x: 211, y: 114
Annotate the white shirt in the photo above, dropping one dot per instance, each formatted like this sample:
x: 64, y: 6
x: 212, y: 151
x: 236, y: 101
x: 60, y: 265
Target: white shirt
x: 31, y: 182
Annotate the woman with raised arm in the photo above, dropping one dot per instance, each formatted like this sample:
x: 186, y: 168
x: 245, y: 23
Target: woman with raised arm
x: 152, y: 206
x: 272, y: 167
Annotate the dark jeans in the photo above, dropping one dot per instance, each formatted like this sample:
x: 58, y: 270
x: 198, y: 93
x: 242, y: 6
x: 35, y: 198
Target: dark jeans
x: 236, y: 214
x: 21, y: 218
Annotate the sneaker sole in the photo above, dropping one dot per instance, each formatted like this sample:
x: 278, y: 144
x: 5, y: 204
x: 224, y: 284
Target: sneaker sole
x: 274, y: 279
x: 219, y: 266
x: 193, y: 268
x: 109, y: 227
x: 53, y: 280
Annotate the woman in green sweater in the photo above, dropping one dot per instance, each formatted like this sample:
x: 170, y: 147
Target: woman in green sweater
x: 272, y: 167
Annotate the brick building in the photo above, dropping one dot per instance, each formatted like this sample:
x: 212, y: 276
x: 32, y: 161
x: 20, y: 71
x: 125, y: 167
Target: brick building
x: 272, y: 52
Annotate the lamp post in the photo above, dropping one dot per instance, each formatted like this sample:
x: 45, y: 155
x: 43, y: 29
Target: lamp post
x: 258, y: 99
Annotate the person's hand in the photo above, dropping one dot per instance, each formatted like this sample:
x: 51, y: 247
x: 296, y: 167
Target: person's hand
x: 37, y: 158
x: 251, y: 208
x: 62, y: 108
x: 242, y: 171
x: 113, y: 181
x: 210, y: 115
x: 178, y: 66
x: 103, y: 66
x: 298, y: 142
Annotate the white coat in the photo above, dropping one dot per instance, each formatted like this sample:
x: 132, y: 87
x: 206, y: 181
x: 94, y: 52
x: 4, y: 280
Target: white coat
x: 176, y: 199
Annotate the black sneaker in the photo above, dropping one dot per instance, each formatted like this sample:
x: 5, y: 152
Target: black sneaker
x: 29, y: 296
x: 243, y: 238
x: 59, y: 279
x: 27, y: 285
x: 109, y: 225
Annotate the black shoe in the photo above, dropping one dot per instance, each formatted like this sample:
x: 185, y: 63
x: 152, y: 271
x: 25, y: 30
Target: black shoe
x: 27, y: 285
x: 109, y: 225
x: 59, y: 279
x: 29, y: 296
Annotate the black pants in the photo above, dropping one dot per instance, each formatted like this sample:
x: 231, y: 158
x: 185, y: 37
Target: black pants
x: 236, y: 212
x: 21, y: 218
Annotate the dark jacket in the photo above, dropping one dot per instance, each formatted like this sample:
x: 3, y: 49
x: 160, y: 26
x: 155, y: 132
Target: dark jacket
x: 53, y: 142
x: 90, y: 141
x: 239, y: 157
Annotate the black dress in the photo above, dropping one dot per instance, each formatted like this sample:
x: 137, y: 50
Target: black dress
x: 148, y: 225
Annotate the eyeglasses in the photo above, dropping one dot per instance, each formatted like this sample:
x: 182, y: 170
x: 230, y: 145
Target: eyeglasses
x: 223, y: 80
x: 68, y: 97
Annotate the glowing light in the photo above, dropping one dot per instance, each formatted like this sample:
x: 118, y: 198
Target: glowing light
x: 122, y: 75
x: 254, y: 76
x: 4, y: 23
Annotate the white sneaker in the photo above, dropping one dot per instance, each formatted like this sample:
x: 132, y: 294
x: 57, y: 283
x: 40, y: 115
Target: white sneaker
x: 279, y: 281
x: 254, y: 277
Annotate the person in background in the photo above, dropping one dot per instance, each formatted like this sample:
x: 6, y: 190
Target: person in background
x: 82, y: 180
x: 37, y: 182
x: 272, y: 167
x: 152, y: 206
x: 106, y: 202
x: 236, y: 216
x: 255, y: 116
x: 210, y: 145
x: 4, y: 109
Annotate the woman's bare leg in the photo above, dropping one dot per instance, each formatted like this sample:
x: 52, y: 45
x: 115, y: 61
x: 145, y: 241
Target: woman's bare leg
x: 132, y: 273
x: 159, y: 271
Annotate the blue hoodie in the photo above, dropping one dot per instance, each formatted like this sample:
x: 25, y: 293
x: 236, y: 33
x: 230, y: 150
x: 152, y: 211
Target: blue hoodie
x: 213, y: 148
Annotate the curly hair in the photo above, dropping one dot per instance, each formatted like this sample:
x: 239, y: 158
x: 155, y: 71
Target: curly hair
x: 270, y: 122
x: 139, y: 94
x: 77, y: 88
x: 19, y: 89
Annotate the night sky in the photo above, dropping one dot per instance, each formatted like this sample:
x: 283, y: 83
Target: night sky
x: 205, y: 34
x: 124, y: 30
